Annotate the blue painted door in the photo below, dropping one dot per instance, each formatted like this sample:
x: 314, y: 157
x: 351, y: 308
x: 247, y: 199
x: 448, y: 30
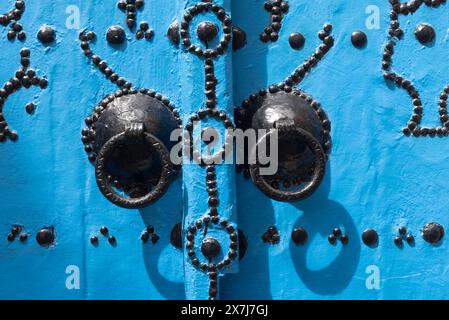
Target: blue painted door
x: 385, y: 176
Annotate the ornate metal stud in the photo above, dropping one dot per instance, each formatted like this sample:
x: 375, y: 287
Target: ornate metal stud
x: 115, y: 35
x: 46, y: 236
x: 207, y: 31
x: 24, y: 78
x: 104, y: 231
x: 433, y: 233
x: 297, y: 40
x: 359, y: 39
x: 112, y: 240
x: 370, y: 237
x: 301, y: 123
x: 173, y: 33
x: 12, y: 18
x: 94, y: 240
x: 210, y: 248
x: 300, y: 236
x: 425, y: 33
x: 46, y: 35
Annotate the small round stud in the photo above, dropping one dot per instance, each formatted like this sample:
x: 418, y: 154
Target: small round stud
x: 104, y: 231
x: 115, y: 35
x: 112, y: 240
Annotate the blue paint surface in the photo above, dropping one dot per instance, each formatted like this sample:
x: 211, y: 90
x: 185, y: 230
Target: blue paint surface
x: 376, y: 177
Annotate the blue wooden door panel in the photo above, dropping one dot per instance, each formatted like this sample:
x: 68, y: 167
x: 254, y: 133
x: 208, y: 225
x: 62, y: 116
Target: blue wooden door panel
x: 48, y: 181
x: 377, y: 178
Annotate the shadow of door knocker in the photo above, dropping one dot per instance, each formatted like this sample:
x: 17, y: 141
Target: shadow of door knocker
x: 303, y: 128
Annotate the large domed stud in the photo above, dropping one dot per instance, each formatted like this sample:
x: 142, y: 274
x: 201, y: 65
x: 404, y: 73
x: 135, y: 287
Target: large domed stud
x: 210, y: 248
x: 207, y: 31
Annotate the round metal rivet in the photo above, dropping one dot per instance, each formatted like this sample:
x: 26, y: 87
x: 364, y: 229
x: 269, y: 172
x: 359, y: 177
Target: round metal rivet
x: 297, y: 40
x: 46, y: 35
x: 210, y: 248
x: 370, y: 237
x: 299, y: 236
x: 45, y: 237
x: 433, y: 233
x: 425, y: 33
x: 207, y: 31
x: 359, y: 39
x: 104, y: 231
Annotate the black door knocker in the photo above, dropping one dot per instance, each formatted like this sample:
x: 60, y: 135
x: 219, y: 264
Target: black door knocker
x: 303, y: 129
x: 128, y: 140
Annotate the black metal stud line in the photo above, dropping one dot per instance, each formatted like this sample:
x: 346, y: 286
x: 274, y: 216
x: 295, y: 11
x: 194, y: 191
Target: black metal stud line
x: 207, y: 31
x: 86, y: 37
x: 25, y: 78
x: 130, y: 7
x: 277, y: 9
x: 395, y: 34
x: 288, y: 86
x: 12, y: 17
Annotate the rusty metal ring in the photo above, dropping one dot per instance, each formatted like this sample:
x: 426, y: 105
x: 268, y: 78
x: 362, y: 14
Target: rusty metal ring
x: 105, y: 185
x: 318, y: 172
